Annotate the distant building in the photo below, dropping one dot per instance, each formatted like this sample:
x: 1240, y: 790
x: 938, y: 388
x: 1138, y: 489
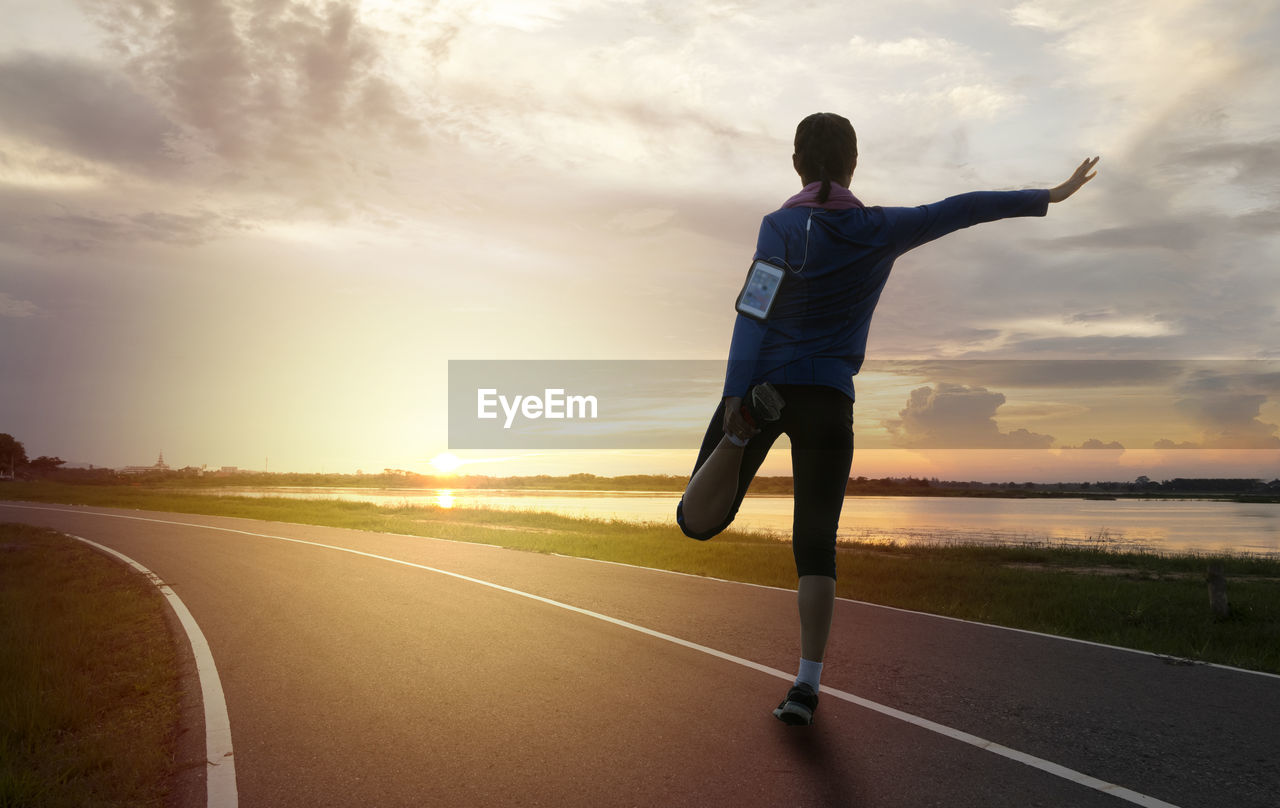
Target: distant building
x: 160, y: 465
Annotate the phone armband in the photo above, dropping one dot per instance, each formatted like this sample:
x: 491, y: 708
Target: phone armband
x: 760, y: 289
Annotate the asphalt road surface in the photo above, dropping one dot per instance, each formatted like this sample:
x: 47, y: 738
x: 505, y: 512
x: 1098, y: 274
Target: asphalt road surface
x: 479, y: 676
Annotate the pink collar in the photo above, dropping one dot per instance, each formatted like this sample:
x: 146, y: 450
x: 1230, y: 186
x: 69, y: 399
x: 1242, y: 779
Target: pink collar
x: 840, y: 198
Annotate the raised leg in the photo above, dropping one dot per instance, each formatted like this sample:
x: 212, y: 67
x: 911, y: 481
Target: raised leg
x: 712, y: 490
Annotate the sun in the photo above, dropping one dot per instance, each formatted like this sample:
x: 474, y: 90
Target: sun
x: 446, y: 462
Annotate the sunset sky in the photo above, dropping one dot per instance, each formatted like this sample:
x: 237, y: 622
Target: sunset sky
x: 233, y: 231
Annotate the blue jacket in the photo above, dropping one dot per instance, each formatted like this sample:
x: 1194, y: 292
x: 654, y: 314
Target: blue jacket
x: 817, y: 330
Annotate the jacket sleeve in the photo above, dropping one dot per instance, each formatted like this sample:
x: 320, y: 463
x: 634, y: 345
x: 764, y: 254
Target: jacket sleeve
x: 911, y: 227
x: 748, y: 332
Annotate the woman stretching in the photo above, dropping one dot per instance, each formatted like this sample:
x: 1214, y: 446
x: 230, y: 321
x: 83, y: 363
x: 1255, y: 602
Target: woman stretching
x: 793, y: 371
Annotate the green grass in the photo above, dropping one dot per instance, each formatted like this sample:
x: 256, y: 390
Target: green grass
x: 88, y: 679
x: 1148, y: 601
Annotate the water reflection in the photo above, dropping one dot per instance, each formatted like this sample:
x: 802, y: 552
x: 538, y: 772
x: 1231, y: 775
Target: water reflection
x: 1162, y: 525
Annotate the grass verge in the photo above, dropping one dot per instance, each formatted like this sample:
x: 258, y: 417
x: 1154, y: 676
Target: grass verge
x: 1147, y: 601
x: 89, y: 683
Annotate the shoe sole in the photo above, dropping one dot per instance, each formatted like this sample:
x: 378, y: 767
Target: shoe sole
x: 794, y: 714
x: 767, y: 401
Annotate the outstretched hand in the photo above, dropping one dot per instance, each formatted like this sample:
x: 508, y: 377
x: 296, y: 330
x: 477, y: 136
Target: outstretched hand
x: 1080, y: 177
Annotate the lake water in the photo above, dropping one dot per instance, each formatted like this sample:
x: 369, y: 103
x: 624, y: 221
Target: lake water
x: 1162, y: 525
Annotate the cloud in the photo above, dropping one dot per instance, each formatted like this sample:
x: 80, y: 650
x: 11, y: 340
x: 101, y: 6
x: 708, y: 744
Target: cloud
x: 1259, y: 222
x: 207, y: 118
x: 1166, y: 235
x: 11, y: 306
x: 1221, y: 377
x: 83, y: 108
x: 1211, y: 404
x: 1249, y: 161
x: 1094, y: 443
x: 639, y: 219
x: 914, y: 49
x: 278, y: 82
x: 1177, y: 235
x: 1223, y: 400
x: 48, y: 221
x: 953, y: 416
x: 1071, y: 374
x: 1045, y: 16
x: 170, y: 228
x: 1165, y: 443
x: 1227, y: 422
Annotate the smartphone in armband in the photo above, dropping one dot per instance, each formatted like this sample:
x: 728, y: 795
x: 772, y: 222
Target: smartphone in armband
x: 761, y: 289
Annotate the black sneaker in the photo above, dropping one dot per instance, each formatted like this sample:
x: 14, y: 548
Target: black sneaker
x: 764, y: 404
x: 798, y: 707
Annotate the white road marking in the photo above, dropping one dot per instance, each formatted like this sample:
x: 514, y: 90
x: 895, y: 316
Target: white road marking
x: 220, y: 768
x: 432, y: 538
x: 1034, y: 762
x: 935, y: 616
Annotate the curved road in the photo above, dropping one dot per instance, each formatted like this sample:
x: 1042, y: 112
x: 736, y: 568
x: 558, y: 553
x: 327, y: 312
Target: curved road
x: 471, y: 675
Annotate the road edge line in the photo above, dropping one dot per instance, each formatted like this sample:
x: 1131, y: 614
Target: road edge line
x: 220, y: 766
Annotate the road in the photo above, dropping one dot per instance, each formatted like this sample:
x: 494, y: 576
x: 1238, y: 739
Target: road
x: 541, y: 680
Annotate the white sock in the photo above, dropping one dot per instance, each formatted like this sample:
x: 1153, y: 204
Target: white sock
x: 810, y: 673
x: 735, y: 440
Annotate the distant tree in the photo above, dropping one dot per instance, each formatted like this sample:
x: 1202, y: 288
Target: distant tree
x: 13, y: 455
x: 1211, y: 485
x: 1144, y: 480
x: 44, y: 464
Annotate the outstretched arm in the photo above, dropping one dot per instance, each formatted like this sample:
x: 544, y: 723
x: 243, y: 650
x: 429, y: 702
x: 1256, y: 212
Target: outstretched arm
x: 1079, y: 178
x: 911, y: 227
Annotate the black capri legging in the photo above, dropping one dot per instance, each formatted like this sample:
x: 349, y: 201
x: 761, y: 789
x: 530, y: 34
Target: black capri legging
x: 819, y: 421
